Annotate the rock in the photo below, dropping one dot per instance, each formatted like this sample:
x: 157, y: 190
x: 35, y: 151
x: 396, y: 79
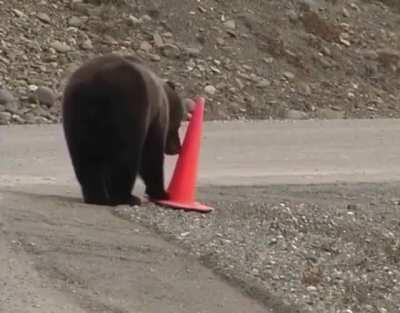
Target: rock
x: 158, y: 41
x: 6, y: 97
x: 345, y: 12
x: 296, y: 115
x: 154, y: 57
x: 12, y: 107
x: 75, y: 21
x: 60, y: 46
x: 211, y: 90
x: 289, y: 75
x: 329, y: 114
x: 293, y: 16
x: 192, y: 51
x: 220, y: 41
x: 146, y: 18
x: 305, y: 89
x: 5, y: 118
x: 170, y: 51
x: 44, y: 18
x: 230, y: 24
x: 30, y: 118
x: 87, y: 44
x: 133, y: 21
x: 18, y: 119
x: 44, y: 96
x: 145, y: 46
x: 263, y: 83
x: 18, y: 13
x: 353, y: 207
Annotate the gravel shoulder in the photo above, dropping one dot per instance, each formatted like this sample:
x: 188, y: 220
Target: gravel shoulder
x: 315, y: 248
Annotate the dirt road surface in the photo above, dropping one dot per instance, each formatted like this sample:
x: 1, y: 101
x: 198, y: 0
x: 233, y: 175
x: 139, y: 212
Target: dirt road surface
x: 251, y: 255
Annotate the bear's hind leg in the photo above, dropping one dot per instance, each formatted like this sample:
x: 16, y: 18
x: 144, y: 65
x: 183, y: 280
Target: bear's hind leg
x: 93, y: 183
x: 121, y: 180
x: 152, y: 165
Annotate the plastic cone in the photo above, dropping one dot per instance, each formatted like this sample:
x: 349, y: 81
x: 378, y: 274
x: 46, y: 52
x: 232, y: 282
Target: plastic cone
x: 182, y: 187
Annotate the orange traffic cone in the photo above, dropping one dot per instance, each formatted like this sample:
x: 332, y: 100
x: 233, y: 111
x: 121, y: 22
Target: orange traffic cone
x: 182, y: 187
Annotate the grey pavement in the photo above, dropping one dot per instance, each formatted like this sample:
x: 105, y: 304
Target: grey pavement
x: 59, y: 255
x: 235, y: 153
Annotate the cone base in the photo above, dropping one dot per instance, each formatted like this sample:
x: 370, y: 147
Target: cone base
x: 187, y: 206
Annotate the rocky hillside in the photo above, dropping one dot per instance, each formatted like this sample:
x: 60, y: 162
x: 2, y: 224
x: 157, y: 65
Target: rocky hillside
x: 251, y: 58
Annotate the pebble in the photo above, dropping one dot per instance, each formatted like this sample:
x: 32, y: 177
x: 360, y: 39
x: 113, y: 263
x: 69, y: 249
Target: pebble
x: 45, y: 96
x: 296, y: 115
x: 145, y: 46
x: 230, y: 24
x: 133, y: 21
x: 211, y: 90
x: 158, y: 41
x: 289, y: 75
x: 60, y: 46
x: 192, y: 51
x: 6, y: 97
x: 170, y: 51
x: 311, y: 288
x: 18, y: 13
x: 87, y: 44
x: 75, y: 21
x: 263, y: 83
x: 44, y: 18
x: 5, y: 118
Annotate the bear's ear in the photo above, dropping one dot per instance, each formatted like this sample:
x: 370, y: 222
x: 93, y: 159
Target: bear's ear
x: 171, y: 84
x: 189, y: 105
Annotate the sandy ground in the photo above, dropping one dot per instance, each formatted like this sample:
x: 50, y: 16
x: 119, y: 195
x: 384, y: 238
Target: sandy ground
x: 310, y: 224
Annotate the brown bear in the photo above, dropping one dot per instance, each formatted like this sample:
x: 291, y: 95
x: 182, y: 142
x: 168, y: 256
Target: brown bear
x: 119, y: 118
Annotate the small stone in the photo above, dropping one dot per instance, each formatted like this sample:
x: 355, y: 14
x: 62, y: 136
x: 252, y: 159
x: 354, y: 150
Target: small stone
x: 44, y: 18
x: 345, y: 12
x: 327, y: 113
x: 192, y: 51
x: 211, y: 90
x: 220, y: 41
x: 18, y: 13
x: 18, y: 119
x: 311, y: 288
x: 158, y: 41
x: 289, y: 75
x: 6, y: 97
x: 145, y: 46
x: 343, y: 38
x: 44, y: 96
x: 146, y: 18
x: 170, y: 51
x: 5, y: 118
x: 60, y: 46
x: 87, y: 44
x: 296, y: 115
x: 75, y: 21
x: 230, y: 24
x: 133, y: 21
x: 263, y: 83
x: 154, y: 57
x: 30, y: 118
x: 305, y: 89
